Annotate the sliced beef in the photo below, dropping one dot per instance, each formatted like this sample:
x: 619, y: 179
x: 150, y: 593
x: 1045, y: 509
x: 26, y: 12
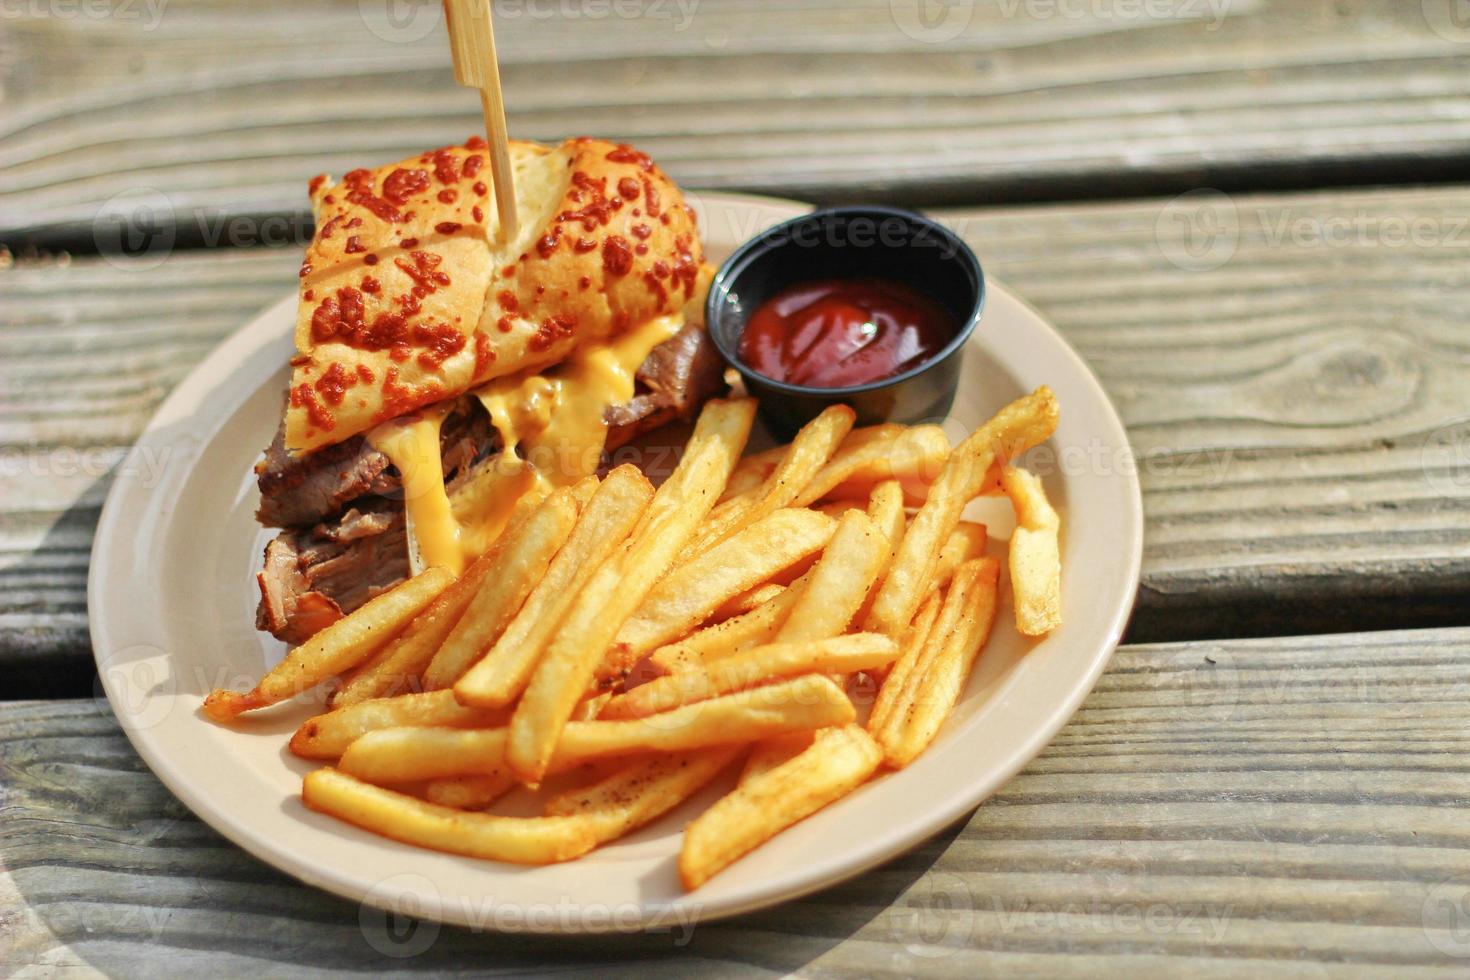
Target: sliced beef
x: 303, y: 490
x: 676, y: 378
x: 298, y: 491
x: 315, y: 574
x: 312, y: 577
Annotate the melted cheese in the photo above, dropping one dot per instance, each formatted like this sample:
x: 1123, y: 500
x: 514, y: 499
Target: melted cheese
x: 553, y: 432
x: 484, y: 506
x: 412, y: 444
x: 555, y: 418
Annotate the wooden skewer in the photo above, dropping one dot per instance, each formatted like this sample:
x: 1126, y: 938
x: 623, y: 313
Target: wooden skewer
x: 472, y: 42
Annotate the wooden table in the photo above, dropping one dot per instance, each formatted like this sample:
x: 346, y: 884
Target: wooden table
x: 1269, y: 779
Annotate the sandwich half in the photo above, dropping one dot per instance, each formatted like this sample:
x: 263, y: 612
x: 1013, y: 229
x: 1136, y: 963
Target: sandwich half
x: 444, y: 376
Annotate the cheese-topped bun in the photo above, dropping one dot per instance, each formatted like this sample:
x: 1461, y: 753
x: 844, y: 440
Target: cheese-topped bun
x: 408, y: 295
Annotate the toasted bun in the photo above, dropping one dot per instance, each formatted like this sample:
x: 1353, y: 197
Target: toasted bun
x: 409, y: 297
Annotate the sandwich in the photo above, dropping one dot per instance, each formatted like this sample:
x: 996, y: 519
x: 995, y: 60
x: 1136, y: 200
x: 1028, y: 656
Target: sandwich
x: 446, y: 375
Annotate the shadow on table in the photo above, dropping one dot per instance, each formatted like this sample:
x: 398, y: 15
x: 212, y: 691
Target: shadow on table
x: 181, y: 895
x: 782, y: 939
x: 50, y: 654
x: 109, y: 868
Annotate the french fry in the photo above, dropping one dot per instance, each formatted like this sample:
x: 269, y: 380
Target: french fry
x: 801, y: 703
x: 742, y: 632
x: 965, y: 543
x: 394, y: 756
x: 605, y: 523
x: 836, y: 508
x: 327, y: 736
x: 719, y: 436
x: 891, y: 692
x: 951, y: 617
x: 774, y: 752
x: 885, y: 508
x: 799, y: 571
x: 438, y: 756
x: 750, y: 473
x: 585, y: 489
x: 643, y: 791
x: 867, y: 456
x: 475, y: 792
x: 831, y: 654
x: 746, y: 601
x: 901, y: 453
x: 838, y: 761
x: 622, y: 582
x: 949, y: 654
x: 523, y: 840
x: 804, y: 458
x: 1022, y: 424
x: 520, y: 559
x: 399, y: 755
x: 733, y: 635
x: 399, y: 666
x: 590, y: 707
x: 672, y: 658
x: 343, y: 645
x: 1035, y: 554
x: 689, y: 594
x: 404, y: 755
x: 839, y: 582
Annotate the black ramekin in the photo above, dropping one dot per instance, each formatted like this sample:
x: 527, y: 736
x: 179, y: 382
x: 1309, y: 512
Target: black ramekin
x: 859, y: 241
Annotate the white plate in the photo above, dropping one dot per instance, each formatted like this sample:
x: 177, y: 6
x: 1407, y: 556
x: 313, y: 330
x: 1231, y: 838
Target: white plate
x: 171, y: 599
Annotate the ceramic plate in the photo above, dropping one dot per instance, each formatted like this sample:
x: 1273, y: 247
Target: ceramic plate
x: 172, y: 596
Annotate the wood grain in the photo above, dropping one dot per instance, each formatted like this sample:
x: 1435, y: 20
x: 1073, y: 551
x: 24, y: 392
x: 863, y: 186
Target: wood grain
x: 1298, y: 413
x: 1294, y: 393
x: 209, y: 110
x: 1237, y: 809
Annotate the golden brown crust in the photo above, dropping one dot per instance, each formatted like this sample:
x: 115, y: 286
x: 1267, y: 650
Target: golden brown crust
x: 408, y: 296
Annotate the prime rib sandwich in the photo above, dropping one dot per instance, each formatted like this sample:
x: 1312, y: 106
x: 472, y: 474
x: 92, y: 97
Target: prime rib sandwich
x: 444, y: 375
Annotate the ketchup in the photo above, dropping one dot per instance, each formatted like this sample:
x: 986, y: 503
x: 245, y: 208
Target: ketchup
x: 835, y: 333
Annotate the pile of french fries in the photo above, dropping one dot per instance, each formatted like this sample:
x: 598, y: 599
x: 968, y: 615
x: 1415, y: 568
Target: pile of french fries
x: 621, y: 646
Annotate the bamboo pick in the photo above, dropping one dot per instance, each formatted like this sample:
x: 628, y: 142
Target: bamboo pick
x: 472, y: 43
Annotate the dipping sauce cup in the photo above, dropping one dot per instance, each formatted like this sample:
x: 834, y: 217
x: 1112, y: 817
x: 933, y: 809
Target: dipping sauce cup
x: 864, y: 244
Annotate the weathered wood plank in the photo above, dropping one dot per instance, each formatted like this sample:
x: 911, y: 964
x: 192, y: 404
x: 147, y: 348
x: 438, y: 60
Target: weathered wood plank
x: 211, y: 110
x: 1236, y: 809
x: 1295, y: 389
x: 1299, y: 413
